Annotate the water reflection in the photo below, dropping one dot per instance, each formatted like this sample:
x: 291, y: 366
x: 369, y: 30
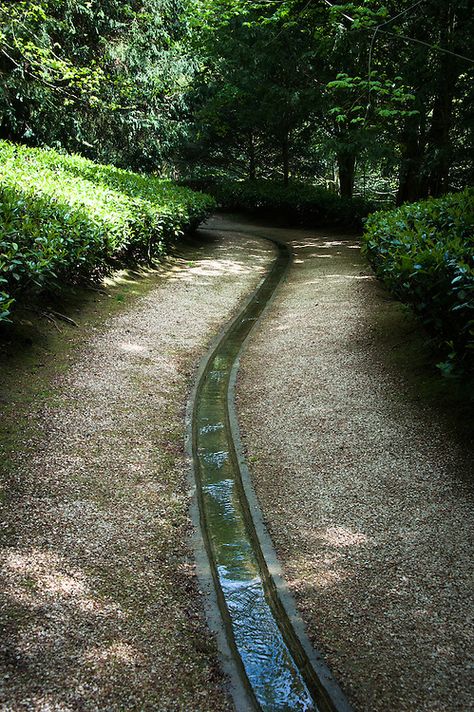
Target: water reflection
x: 212, y: 427
x: 215, y: 459
x: 266, y: 658
x: 222, y: 493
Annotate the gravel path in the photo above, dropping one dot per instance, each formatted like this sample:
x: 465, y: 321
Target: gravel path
x: 99, y: 602
x: 365, y: 492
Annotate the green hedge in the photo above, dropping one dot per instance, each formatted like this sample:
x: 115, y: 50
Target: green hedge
x: 63, y: 216
x: 299, y: 203
x: 424, y: 253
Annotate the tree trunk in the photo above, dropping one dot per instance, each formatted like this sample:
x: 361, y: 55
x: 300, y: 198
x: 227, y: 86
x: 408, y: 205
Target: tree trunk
x: 252, y: 158
x: 439, y: 144
x: 346, y: 169
x: 286, y: 158
x: 426, y: 145
x: 412, y: 184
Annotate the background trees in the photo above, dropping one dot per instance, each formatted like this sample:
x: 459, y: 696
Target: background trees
x: 431, y: 138
x: 364, y: 96
x: 256, y: 87
x: 355, y: 92
x: 101, y: 78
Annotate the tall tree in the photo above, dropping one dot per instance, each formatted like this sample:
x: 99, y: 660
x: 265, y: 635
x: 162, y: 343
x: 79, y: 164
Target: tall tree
x: 105, y: 78
x: 256, y: 88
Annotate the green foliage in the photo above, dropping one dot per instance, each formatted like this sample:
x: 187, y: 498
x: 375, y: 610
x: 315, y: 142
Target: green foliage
x: 319, y: 92
x: 424, y: 254
x: 63, y: 216
x: 335, y: 92
x: 104, y: 78
x: 254, y: 94
x: 298, y: 202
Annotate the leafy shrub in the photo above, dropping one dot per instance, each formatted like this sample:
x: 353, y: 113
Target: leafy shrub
x: 63, y: 216
x: 300, y: 203
x: 424, y: 253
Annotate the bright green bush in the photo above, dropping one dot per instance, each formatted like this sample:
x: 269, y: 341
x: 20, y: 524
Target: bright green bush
x: 300, y: 203
x: 63, y: 216
x: 424, y: 253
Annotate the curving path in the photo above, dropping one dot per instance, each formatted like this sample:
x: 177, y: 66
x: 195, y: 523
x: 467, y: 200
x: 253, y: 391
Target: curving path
x: 365, y: 484
x: 364, y: 489
x: 100, y: 607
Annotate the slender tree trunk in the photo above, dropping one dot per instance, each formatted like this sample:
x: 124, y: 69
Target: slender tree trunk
x: 440, y: 152
x: 286, y: 158
x: 440, y: 144
x: 346, y: 169
x: 252, y: 158
x: 412, y: 184
x: 426, y: 144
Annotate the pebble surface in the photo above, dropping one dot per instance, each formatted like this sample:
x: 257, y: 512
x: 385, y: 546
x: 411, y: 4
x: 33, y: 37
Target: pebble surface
x: 99, y: 601
x: 366, y: 494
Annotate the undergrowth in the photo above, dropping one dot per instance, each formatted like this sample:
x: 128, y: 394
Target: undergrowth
x: 298, y: 203
x: 63, y: 217
x: 424, y: 254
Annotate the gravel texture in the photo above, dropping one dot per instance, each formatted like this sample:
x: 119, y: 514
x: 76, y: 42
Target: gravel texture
x: 99, y: 602
x: 366, y: 493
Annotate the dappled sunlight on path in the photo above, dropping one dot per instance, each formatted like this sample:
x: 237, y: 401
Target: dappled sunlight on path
x: 99, y: 604
x: 366, y: 491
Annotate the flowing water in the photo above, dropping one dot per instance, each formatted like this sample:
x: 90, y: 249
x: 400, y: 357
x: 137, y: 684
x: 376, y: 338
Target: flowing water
x: 271, y: 660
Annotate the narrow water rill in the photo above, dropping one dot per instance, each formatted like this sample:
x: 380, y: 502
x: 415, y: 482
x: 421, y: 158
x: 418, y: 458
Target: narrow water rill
x: 272, y: 662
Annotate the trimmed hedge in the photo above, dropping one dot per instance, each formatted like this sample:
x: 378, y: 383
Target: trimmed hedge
x: 64, y: 216
x: 299, y: 203
x: 424, y: 253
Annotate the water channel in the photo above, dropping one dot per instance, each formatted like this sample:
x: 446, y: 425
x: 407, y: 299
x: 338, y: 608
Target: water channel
x: 272, y: 662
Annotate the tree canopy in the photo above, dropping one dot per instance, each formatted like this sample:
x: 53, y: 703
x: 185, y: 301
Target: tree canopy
x: 365, y: 96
